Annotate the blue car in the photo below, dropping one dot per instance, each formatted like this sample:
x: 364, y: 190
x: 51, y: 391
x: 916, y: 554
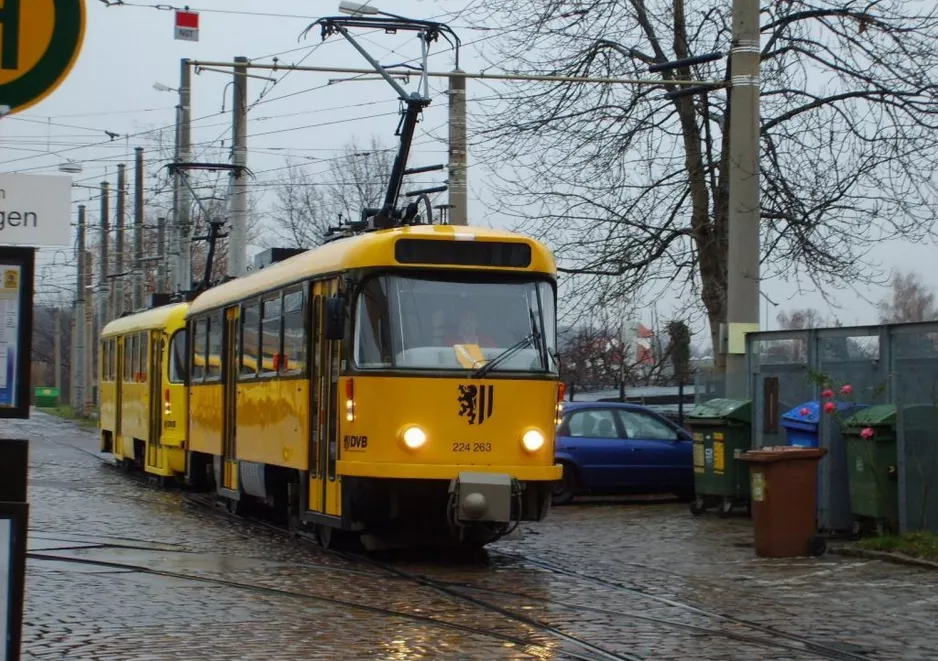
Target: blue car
x: 612, y: 447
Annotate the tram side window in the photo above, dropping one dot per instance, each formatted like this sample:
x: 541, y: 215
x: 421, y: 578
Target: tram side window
x: 199, y: 343
x: 142, y: 363
x: 250, y: 340
x: 270, y: 336
x: 112, y: 359
x: 177, y: 358
x: 105, y: 356
x: 294, y: 335
x: 213, y: 365
x: 128, y: 359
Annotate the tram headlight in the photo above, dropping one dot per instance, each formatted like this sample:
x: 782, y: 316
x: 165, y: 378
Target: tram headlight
x: 414, y: 437
x: 532, y: 440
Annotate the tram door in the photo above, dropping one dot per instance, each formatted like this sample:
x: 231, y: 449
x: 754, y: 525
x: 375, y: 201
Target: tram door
x: 155, y: 373
x: 325, y: 493
x: 232, y: 357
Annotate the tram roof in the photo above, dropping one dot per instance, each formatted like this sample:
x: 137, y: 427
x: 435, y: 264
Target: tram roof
x: 366, y: 250
x: 156, y: 318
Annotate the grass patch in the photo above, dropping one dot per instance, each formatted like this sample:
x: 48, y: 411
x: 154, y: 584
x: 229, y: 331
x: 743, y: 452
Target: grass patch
x: 68, y: 413
x: 916, y: 544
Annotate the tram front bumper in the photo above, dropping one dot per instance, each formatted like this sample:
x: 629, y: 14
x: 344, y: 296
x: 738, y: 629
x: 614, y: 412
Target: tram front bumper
x: 445, y: 471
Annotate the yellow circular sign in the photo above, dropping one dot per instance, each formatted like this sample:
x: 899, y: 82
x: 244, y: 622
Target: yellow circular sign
x: 39, y: 44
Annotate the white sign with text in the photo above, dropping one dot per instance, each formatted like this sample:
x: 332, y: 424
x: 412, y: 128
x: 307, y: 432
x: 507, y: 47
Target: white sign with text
x: 35, y: 210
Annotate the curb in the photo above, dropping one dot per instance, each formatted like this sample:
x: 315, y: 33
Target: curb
x: 898, y: 558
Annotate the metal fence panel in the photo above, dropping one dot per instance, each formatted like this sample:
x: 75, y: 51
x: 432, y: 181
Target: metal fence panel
x: 914, y: 365
x: 845, y: 356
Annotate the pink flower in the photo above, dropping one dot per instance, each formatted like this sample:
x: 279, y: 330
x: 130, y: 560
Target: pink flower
x: 846, y: 389
x: 867, y: 432
x: 827, y: 394
x: 804, y: 412
x: 829, y: 407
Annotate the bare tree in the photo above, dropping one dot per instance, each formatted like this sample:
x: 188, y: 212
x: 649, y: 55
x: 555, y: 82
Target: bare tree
x: 631, y: 189
x: 800, y: 319
x: 910, y: 300
x: 307, y: 203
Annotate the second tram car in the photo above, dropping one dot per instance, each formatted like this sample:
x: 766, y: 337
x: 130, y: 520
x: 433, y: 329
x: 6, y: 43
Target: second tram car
x: 142, y: 368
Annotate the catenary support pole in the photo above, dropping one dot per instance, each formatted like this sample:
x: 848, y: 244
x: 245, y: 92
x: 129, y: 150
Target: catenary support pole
x: 117, y: 287
x: 161, y: 286
x: 78, y: 359
x: 458, y: 192
x: 237, y: 238
x: 57, y: 360
x: 742, y: 300
x: 104, y: 289
x: 138, y: 229
x: 182, y: 230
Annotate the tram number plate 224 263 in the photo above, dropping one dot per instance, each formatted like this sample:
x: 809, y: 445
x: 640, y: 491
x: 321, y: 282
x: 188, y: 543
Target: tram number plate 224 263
x: 472, y: 447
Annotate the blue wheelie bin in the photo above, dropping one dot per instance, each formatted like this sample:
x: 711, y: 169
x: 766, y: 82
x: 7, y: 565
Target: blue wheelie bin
x: 833, y: 500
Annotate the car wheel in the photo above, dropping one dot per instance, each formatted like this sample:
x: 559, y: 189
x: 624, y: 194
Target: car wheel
x: 565, y: 489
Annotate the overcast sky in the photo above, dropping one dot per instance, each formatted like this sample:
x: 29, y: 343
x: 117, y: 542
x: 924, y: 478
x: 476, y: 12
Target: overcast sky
x: 302, y: 117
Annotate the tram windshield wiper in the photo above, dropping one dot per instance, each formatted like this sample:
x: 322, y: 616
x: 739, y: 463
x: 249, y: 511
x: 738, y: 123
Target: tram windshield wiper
x: 531, y: 338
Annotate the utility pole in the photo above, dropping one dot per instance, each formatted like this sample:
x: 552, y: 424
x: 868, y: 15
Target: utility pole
x: 182, y: 272
x: 78, y: 358
x: 742, y: 299
x: 90, y: 343
x: 117, y: 307
x: 104, y: 312
x: 237, y: 239
x: 161, y: 254
x: 138, y: 229
x: 458, y: 188
x: 57, y: 360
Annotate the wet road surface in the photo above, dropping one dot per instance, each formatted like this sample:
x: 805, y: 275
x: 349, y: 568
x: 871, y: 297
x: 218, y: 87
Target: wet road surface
x: 120, y: 569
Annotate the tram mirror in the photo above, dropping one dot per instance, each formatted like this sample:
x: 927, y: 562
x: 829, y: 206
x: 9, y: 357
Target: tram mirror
x: 335, y: 318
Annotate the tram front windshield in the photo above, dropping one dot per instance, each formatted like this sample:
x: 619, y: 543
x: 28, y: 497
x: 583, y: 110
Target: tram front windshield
x: 447, y: 323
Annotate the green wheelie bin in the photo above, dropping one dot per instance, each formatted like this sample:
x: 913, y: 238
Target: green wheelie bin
x: 722, y: 432
x: 45, y: 398
x: 870, y: 437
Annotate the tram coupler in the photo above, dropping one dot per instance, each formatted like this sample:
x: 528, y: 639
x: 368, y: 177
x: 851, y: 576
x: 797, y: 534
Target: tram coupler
x: 483, y: 497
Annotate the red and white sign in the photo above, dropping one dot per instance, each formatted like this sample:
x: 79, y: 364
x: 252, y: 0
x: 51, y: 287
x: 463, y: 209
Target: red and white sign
x: 187, y: 25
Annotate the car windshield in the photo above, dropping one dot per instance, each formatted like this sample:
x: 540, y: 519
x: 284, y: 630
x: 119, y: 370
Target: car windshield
x: 441, y: 323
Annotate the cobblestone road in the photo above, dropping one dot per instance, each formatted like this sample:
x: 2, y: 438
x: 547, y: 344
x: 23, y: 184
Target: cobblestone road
x: 122, y: 570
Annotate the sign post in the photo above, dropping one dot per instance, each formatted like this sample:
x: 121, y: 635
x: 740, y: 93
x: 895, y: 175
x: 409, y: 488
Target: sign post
x: 14, y: 513
x: 39, y: 44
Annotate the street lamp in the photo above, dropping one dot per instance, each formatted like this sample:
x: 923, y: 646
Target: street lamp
x: 357, y: 9
x: 160, y: 87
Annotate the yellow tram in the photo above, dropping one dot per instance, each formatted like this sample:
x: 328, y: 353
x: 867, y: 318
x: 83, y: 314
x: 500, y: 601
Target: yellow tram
x: 142, y: 368
x: 346, y: 397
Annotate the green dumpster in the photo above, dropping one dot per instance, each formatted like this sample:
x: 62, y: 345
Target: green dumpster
x: 46, y: 398
x: 872, y: 466
x: 722, y: 431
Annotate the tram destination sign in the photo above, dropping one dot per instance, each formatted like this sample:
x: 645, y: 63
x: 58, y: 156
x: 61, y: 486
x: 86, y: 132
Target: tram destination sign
x: 35, y: 210
x: 39, y: 44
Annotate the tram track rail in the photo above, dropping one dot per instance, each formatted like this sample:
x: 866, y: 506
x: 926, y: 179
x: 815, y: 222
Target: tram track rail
x: 528, y: 647
x: 793, y: 642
